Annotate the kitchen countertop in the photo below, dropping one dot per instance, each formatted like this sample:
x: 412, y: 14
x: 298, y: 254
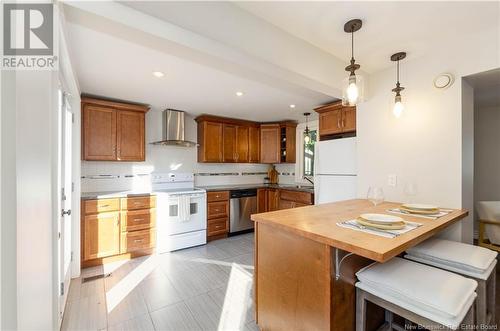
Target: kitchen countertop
x: 318, y: 223
x: 125, y: 194
x: 113, y: 194
x: 291, y: 187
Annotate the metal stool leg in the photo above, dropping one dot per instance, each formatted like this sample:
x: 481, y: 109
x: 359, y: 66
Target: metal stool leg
x: 360, y: 310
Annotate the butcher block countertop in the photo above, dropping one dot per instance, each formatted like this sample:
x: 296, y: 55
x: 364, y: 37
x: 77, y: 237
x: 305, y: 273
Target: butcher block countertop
x: 318, y: 223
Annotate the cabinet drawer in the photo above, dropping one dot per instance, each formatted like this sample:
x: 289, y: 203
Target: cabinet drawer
x: 139, y: 203
x: 218, y: 209
x: 100, y: 206
x: 297, y: 196
x: 138, y: 219
x: 217, y: 196
x: 137, y: 240
x: 217, y: 226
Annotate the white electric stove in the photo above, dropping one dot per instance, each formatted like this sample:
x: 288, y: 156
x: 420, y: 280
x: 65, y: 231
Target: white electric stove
x: 181, y: 209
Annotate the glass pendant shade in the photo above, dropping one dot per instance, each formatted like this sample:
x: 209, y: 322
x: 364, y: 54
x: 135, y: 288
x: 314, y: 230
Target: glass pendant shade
x: 398, y: 107
x: 352, y: 90
x: 307, y: 139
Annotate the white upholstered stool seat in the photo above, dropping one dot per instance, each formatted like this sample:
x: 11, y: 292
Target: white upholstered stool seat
x: 419, y: 293
x: 471, y: 261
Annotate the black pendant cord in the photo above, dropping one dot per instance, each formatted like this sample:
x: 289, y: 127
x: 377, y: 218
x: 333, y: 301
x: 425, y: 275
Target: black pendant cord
x: 352, y: 46
x: 398, y: 73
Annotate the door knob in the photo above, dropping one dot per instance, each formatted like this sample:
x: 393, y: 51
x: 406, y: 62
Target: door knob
x: 65, y: 212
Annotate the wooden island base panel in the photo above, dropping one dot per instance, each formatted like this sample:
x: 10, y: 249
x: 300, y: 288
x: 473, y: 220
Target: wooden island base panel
x: 296, y: 256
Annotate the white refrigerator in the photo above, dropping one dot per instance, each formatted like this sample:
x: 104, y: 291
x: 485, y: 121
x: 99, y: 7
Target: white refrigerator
x: 335, y: 171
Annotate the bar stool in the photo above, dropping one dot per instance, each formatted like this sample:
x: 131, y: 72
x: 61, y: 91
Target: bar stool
x: 431, y: 297
x: 470, y: 261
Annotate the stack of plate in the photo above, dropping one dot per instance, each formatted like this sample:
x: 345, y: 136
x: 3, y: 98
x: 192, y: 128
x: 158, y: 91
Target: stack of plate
x: 381, y: 221
x: 418, y: 208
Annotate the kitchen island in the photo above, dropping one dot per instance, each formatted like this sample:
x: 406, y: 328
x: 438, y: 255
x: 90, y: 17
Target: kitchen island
x: 303, y: 281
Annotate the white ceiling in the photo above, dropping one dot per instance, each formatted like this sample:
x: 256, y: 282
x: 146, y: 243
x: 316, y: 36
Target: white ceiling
x: 277, y: 53
x: 388, y: 27
x: 116, y: 68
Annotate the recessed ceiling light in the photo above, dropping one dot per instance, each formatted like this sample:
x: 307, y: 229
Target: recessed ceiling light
x: 239, y: 93
x: 158, y: 74
x: 292, y: 106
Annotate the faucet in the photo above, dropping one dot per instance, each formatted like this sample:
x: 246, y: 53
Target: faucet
x: 308, y: 179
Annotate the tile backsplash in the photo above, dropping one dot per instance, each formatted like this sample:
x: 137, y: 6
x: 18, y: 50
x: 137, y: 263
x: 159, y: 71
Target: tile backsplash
x: 114, y: 176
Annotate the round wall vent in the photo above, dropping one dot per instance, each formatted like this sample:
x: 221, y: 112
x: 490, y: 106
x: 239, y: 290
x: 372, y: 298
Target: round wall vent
x: 443, y: 81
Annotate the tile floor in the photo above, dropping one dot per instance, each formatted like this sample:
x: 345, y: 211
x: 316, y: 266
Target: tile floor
x: 201, y: 288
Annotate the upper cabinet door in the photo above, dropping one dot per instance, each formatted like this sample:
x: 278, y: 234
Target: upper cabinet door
x: 270, y: 143
x: 330, y: 122
x: 99, y: 133
x: 290, y: 144
x: 229, y: 150
x: 349, y: 119
x: 130, y: 136
x: 210, y: 139
x: 242, y: 144
x: 253, y: 144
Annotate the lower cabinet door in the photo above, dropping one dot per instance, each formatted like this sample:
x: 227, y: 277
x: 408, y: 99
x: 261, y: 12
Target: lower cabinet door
x: 101, y: 235
x: 138, y: 240
x: 285, y: 204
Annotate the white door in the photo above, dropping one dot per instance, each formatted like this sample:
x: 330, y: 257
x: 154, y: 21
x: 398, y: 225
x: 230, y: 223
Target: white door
x: 331, y: 188
x: 64, y: 226
x: 336, y: 157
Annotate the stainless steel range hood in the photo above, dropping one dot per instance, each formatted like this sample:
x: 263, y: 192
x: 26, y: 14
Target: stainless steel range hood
x: 173, y: 129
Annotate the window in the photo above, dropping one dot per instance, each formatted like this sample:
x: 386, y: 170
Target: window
x: 308, y: 159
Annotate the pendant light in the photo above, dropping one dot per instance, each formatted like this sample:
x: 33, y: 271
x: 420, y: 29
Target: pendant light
x: 307, y: 137
x: 398, y: 104
x: 352, y: 87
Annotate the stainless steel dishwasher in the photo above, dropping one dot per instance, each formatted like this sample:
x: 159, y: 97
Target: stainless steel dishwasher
x: 242, y: 204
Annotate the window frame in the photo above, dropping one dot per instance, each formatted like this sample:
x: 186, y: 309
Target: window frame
x: 299, y: 165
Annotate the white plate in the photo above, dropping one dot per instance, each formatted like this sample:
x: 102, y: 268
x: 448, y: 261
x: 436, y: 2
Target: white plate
x: 382, y: 218
x: 419, y: 206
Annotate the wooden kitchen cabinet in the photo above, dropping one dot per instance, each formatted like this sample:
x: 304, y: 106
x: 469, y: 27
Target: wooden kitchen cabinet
x: 349, y: 119
x: 99, y: 133
x: 278, y: 142
x: 130, y: 136
x: 271, y: 199
x: 242, y: 144
x: 293, y: 199
x: 287, y: 150
x: 336, y: 120
x: 270, y: 143
x: 210, y: 141
x: 117, y: 228
x: 228, y: 140
x: 273, y: 196
x: 217, y: 215
x: 262, y: 200
x: 102, y: 235
x: 253, y: 144
x: 229, y: 143
x: 112, y: 131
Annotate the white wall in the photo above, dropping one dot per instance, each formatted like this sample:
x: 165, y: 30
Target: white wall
x: 36, y: 146
x: 8, y: 259
x: 424, y: 145
x: 487, y: 154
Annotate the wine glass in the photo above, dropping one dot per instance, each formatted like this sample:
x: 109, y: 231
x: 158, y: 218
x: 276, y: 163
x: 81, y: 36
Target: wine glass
x: 410, y: 190
x: 375, y: 195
